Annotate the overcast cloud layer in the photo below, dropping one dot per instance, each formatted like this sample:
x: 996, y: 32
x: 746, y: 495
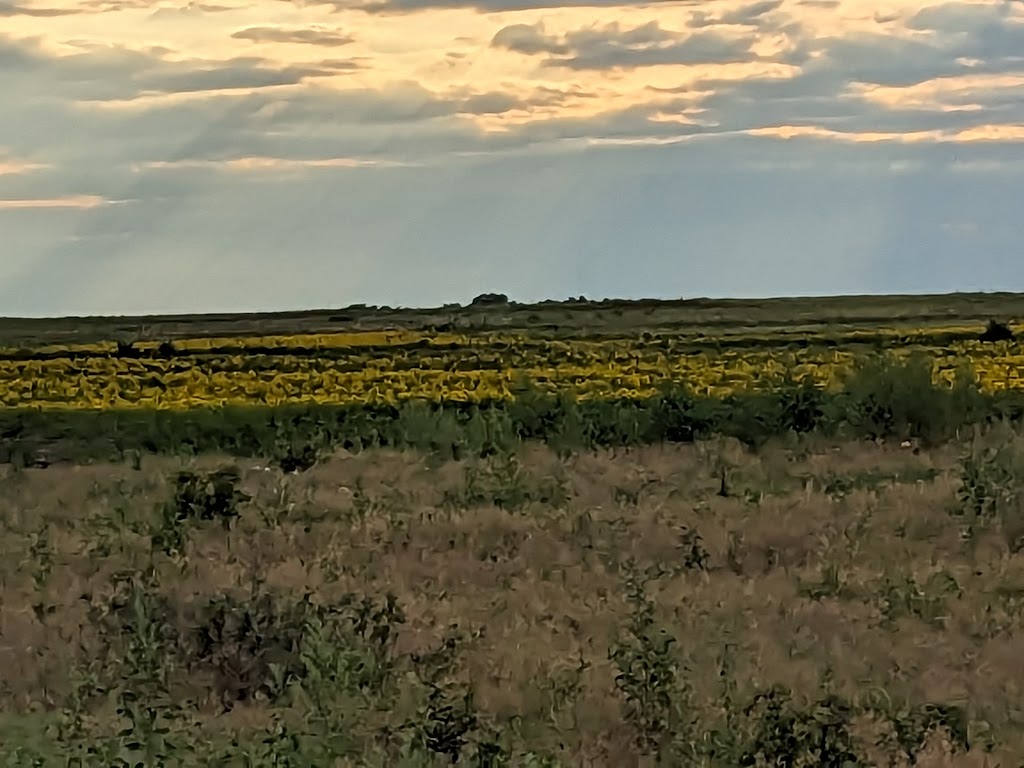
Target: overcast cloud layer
x: 270, y: 154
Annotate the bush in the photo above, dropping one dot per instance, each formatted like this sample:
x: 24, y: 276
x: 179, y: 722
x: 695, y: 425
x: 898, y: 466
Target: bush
x: 989, y: 491
x: 210, y: 496
x: 490, y: 300
x: 197, y: 497
x: 891, y: 398
x: 996, y: 331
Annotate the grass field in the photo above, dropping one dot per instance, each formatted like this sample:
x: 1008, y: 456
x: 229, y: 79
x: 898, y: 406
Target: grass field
x: 801, y: 571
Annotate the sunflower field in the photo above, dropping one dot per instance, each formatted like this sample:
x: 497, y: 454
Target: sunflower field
x: 391, y: 367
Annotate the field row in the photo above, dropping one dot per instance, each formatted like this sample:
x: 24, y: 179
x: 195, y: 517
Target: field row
x: 393, y: 340
x: 467, y: 375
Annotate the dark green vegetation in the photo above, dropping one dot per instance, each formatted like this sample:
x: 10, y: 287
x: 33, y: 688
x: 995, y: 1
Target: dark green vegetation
x: 885, y: 399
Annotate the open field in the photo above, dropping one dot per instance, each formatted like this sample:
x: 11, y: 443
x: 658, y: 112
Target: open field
x: 599, y: 609
x: 471, y: 369
x: 621, y: 364
x: 702, y: 316
x: 704, y: 533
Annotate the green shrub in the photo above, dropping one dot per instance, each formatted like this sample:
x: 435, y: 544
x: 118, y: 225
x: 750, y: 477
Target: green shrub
x: 786, y: 734
x: 887, y: 397
x: 650, y: 676
x: 198, y: 497
x: 990, y: 490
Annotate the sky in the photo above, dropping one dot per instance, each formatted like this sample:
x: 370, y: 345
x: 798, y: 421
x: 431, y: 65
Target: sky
x: 248, y: 155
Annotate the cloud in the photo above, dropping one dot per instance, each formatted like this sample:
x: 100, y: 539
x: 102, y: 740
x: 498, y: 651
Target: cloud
x: 982, y: 133
x: 272, y: 112
x: 132, y: 146
x: 881, y: 59
x: 543, y: 159
x: 243, y: 73
x: 990, y: 34
x: 12, y: 166
x: 112, y: 72
x: 79, y: 202
x: 528, y: 39
x: 824, y: 98
x: 190, y: 10
x: 116, y: 6
x: 401, y: 102
x: 745, y: 16
x: 983, y: 93
x: 880, y: 82
x: 546, y: 136
x: 321, y: 36
x: 491, y: 103
x: 274, y: 165
x: 615, y: 47
x: 959, y: 17
x: 8, y: 8
x: 312, y: 126
x: 387, y: 7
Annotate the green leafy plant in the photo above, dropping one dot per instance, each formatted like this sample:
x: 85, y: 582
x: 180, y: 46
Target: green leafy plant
x: 892, y: 397
x: 785, y: 734
x: 691, y: 546
x: 649, y: 674
x: 198, y: 497
x: 504, y: 483
x: 906, y: 597
x: 989, y: 489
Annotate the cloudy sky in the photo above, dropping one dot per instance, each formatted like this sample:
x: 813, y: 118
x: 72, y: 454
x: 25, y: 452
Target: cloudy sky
x: 271, y: 154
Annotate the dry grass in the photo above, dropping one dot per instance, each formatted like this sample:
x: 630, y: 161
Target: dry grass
x: 801, y: 567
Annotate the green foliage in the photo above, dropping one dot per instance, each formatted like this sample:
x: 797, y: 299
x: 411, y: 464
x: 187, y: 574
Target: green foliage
x: 802, y: 406
x: 252, y: 647
x: 887, y: 397
x: 257, y: 648
x: 650, y: 674
x: 210, y: 496
x: 502, y: 482
x: 691, y: 546
x: 442, y: 725
x: 298, y: 442
x: 927, y: 602
x: 335, y: 663
x: 884, y: 397
x: 796, y: 737
x: 990, y: 491
x: 198, y: 497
